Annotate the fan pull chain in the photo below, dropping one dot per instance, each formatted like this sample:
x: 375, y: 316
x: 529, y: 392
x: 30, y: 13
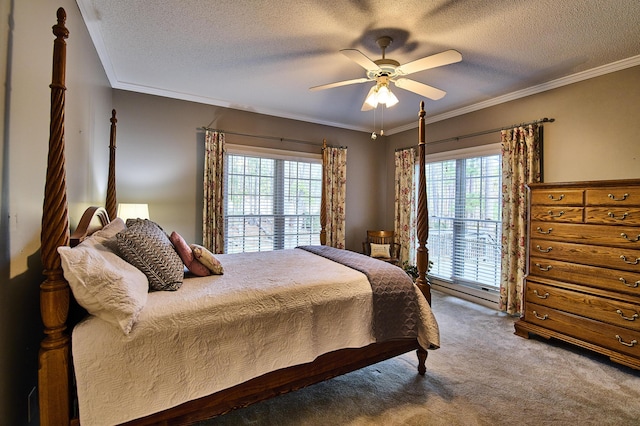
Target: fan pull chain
x: 374, y: 136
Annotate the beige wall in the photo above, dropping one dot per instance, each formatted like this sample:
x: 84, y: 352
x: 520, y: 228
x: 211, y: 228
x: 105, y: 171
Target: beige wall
x: 160, y: 151
x: 594, y: 136
x: 26, y: 65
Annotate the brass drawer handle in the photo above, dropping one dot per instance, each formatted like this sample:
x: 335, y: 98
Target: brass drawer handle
x: 544, y: 296
x: 624, y: 259
x: 549, y: 231
x: 631, y: 285
x: 613, y: 216
x: 544, y: 268
x: 613, y: 197
x: 551, y: 214
x: 626, y: 237
x: 552, y: 198
x: 630, y: 344
x: 542, y: 318
x: 541, y: 250
x: 631, y: 318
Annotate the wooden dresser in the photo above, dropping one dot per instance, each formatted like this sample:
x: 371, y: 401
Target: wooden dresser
x: 583, y: 282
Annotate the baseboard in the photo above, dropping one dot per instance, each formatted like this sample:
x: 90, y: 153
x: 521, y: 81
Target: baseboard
x: 490, y: 299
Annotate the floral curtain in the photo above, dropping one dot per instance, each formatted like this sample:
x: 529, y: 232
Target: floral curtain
x: 335, y: 163
x: 520, y: 166
x: 213, y: 209
x: 405, y: 217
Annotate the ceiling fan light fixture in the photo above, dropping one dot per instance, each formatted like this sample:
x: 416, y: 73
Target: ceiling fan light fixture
x: 382, y: 95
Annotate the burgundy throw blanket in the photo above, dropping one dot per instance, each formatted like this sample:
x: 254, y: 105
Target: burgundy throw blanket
x: 395, y: 307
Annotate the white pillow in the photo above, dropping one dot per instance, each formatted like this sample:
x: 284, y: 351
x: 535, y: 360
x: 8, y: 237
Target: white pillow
x: 380, y: 250
x: 109, y: 231
x: 103, y: 283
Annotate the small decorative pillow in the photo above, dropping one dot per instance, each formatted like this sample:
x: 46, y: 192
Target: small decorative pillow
x: 380, y: 250
x: 145, y: 245
x: 105, y: 284
x: 207, y: 259
x: 185, y: 253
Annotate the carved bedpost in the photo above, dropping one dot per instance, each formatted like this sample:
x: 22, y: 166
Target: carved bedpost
x: 53, y: 360
x: 111, y: 204
x: 422, y: 255
x: 323, y: 197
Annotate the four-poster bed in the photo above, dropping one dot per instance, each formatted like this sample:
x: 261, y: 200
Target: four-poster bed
x: 57, y: 391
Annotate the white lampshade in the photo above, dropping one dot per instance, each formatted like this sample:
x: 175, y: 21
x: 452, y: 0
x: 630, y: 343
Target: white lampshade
x: 373, y: 99
x: 383, y: 94
x: 133, y: 211
x: 391, y: 99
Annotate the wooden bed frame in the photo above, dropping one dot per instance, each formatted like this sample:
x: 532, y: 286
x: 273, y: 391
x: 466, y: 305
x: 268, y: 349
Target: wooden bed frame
x: 55, y: 377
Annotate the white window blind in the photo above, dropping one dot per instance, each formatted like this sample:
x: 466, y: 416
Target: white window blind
x: 272, y: 201
x: 464, y: 200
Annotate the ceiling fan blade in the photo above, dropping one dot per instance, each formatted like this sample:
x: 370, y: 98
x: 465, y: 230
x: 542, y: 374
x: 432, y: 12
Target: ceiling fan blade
x: 439, y: 59
x: 365, y: 105
x: 420, y: 88
x: 359, y: 58
x: 339, y: 83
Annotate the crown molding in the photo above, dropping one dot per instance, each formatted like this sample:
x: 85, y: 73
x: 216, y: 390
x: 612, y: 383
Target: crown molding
x: 554, y: 84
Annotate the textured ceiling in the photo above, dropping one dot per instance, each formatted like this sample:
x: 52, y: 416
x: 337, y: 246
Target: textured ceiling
x: 263, y: 56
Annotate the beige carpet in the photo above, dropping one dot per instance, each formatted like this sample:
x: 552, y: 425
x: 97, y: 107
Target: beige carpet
x: 482, y: 375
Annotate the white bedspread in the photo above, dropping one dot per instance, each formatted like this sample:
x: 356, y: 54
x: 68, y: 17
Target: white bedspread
x: 269, y: 310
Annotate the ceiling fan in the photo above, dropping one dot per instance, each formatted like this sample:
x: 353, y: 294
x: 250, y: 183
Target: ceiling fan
x: 384, y: 71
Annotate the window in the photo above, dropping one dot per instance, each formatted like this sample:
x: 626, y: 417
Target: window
x: 272, y: 201
x: 464, y: 201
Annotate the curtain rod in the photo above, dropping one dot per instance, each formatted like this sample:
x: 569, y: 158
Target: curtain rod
x: 264, y: 137
x: 485, y: 132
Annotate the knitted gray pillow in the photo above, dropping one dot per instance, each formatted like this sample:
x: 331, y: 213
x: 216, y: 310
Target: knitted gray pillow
x: 147, y: 247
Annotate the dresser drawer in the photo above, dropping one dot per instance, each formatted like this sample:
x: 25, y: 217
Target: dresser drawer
x: 619, y: 339
x: 563, y: 197
x: 599, y: 308
x: 614, y: 196
x: 587, y: 275
x: 585, y: 254
x: 557, y: 213
x: 613, y: 215
x: 617, y: 236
